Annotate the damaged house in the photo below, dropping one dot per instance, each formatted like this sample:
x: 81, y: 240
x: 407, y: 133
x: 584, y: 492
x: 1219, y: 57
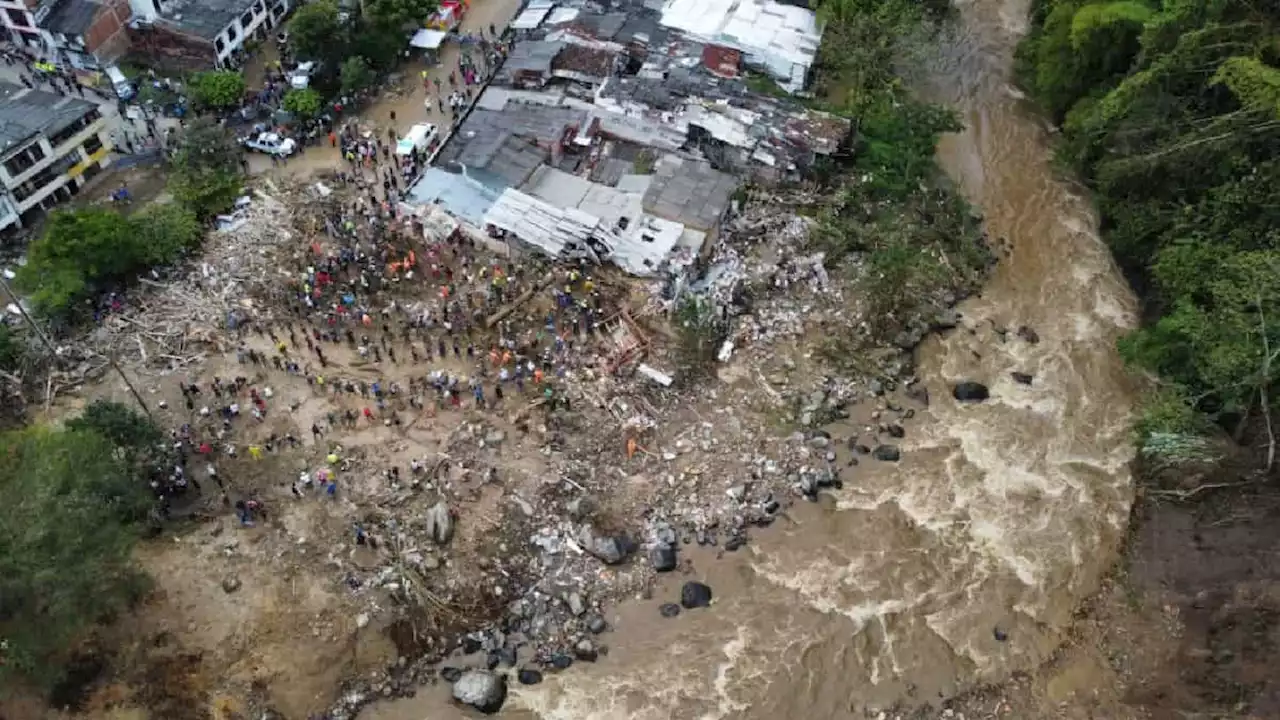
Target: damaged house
x: 622, y: 137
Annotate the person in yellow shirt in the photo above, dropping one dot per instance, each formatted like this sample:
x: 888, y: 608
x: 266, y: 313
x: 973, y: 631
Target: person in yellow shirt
x: 255, y: 452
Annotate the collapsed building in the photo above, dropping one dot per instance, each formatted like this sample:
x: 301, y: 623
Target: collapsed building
x: 623, y: 136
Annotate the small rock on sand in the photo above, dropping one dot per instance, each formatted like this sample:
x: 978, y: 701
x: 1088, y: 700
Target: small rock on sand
x: 887, y: 453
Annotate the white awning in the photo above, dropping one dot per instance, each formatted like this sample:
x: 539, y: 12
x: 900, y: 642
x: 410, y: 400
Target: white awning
x: 428, y: 39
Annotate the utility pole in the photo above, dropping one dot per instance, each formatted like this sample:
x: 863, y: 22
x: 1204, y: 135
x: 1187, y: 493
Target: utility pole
x: 44, y: 338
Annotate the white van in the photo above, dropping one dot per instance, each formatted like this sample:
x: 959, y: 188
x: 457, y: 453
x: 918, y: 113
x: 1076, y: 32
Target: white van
x: 419, y: 137
x: 124, y: 89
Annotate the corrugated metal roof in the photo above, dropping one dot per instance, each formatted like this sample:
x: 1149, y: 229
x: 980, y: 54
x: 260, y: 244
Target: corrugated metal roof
x: 462, y: 196
x: 203, y: 18
x: 26, y: 113
x: 689, y: 192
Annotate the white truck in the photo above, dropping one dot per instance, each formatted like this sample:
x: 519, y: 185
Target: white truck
x: 419, y: 137
x: 271, y: 144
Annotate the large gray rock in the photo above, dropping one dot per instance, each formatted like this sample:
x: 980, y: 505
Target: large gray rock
x: 609, y: 549
x: 663, y: 558
x: 440, y: 523
x: 482, y: 690
x: 695, y: 595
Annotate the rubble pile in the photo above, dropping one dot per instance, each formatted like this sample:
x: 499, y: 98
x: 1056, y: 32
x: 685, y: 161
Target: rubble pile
x: 180, y: 321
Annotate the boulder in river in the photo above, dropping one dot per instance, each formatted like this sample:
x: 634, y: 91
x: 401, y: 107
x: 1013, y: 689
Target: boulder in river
x: 1028, y: 334
x: 1022, y: 378
x: 482, y: 690
x: 887, y: 453
x: 440, y: 523
x: 969, y: 391
x: 528, y: 676
x: 450, y: 674
x: 669, y: 610
x: 695, y: 595
x: 663, y: 558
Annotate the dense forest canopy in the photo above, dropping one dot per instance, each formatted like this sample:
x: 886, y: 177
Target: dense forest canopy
x: 1171, y: 112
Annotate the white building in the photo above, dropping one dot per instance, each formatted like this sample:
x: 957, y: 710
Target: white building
x: 226, y: 24
x: 50, y: 146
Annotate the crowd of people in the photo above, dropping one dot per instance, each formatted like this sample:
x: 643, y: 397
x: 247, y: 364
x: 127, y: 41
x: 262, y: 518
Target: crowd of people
x: 372, y: 294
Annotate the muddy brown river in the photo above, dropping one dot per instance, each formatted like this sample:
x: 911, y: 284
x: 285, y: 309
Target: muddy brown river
x: 964, y: 562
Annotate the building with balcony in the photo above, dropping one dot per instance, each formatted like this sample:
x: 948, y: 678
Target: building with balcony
x: 50, y: 146
x: 17, y: 17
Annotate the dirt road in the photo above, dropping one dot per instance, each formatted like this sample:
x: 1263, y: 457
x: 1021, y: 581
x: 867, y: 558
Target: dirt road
x: 409, y: 100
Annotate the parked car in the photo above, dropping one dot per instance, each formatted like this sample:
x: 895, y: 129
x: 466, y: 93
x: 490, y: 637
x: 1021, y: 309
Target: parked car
x: 271, y: 144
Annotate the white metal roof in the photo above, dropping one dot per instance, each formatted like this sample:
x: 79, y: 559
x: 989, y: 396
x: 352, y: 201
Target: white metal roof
x: 767, y: 31
x: 428, y: 39
x: 532, y: 16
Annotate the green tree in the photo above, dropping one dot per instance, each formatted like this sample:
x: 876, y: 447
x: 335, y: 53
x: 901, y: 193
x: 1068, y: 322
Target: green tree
x: 166, y: 232
x: 700, y: 332
x: 85, y: 251
x: 10, y: 348
x: 1171, y: 113
x: 356, y: 74
x: 303, y: 103
x: 218, y: 88
x: 77, y: 252
x: 205, y: 169
x: 315, y: 31
x: 70, y: 519
x: 399, y: 15
x: 138, y: 440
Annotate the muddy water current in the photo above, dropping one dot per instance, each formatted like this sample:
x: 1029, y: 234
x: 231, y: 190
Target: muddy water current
x: 962, y: 563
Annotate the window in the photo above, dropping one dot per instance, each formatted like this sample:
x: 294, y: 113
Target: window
x: 220, y: 45
x: 246, y: 20
x: 278, y: 10
x: 232, y: 33
x: 92, y: 145
x: 17, y: 18
x: 259, y: 7
x: 37, y: 182
x: 24, y: 160
x: 74, y: 128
